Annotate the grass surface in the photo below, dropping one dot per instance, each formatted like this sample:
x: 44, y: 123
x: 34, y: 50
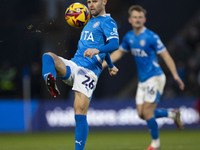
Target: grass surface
x: 101, y: 140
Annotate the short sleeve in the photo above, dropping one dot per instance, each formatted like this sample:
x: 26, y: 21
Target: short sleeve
x: 109, y: 27
x: 124, y: 45
x: 158, y: 44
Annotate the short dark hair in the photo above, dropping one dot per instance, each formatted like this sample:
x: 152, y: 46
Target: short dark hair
x: 137, y: 8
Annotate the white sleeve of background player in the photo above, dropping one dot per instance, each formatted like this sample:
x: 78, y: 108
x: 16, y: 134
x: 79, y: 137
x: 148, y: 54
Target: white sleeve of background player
x: 109, y: 27
x: 158, y: 44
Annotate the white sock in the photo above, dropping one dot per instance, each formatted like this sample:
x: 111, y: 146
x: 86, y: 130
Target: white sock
x: 171, y: 114
x: 155, y: 143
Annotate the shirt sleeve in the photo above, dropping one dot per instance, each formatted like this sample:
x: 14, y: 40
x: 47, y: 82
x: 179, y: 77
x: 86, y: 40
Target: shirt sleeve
x: 108, y: 61
x: 109, y: 27
x: 124, y: 45
x: 158, y: 44
x: 113, y: 44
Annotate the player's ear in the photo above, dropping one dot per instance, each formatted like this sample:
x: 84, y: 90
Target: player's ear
x: 104, y: 2
x: 129, y: 20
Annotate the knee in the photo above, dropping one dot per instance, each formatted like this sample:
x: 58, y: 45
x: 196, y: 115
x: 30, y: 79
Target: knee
x: 48, y: 53
x: 147, y: 114
x: 81, y: 103
x: 141, y: 115
x: 80, y: 110
x: 53, y: 56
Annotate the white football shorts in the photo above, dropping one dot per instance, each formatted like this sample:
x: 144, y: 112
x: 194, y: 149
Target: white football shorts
x: 81, y: 79
x: 150, y: 90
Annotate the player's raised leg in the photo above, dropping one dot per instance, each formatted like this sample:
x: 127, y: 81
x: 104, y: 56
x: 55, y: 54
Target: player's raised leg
x: 52, y: 66
x: 81, y: 104
x: 159, y: 113
x: 177, y: 119
x: 174, y: 114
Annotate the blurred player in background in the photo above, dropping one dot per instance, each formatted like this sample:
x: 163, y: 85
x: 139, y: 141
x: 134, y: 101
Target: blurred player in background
x: 144, y: 45
x: 98, y: 38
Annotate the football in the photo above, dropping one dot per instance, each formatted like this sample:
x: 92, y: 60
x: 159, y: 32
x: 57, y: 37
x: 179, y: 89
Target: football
x: 77, y: 15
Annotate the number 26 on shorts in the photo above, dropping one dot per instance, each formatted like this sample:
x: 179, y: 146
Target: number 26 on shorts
x: 88, y: 82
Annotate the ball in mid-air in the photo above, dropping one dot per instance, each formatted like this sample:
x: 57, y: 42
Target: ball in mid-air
x: 77, y: 15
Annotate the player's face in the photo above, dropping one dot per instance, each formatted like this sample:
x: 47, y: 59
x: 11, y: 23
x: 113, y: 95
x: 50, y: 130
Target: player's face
x: 137, y: 19
x: 96, y: 7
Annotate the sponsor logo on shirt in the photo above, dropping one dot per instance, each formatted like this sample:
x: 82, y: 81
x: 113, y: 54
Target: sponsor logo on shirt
x: 138, y: 52
x: 86, y: 35
x: 96, y: 24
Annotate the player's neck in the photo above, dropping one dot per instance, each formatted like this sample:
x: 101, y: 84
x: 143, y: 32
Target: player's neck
x: 138, y: 30
x: 103, y: 12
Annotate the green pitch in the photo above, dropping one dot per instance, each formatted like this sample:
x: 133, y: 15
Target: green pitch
x: 101, y: 140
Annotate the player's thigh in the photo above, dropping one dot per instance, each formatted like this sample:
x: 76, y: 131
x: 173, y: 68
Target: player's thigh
x: 140, y: 93
x: 81, y: 103
x: 154, y: 89
x: 139, y: 110
x: 148, y: 110
x: 81, y: 79
x: 59, y: 64
x: 85, y: 81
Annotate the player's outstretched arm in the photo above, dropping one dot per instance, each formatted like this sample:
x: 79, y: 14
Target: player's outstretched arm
x: 111, y: 68
x: 172, y: 67
x: 115, y: 56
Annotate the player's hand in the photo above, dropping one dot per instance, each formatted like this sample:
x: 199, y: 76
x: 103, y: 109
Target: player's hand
x: 180, y: 82
x: 113, y: 71
x: 90, y: 52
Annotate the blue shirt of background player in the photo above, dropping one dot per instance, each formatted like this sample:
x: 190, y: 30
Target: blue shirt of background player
x: 95, y: 34
x: 144, y: 47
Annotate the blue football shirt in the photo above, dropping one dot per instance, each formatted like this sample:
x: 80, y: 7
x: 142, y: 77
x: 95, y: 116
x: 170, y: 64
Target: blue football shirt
x: 144, y: 47
x: 95, y: 34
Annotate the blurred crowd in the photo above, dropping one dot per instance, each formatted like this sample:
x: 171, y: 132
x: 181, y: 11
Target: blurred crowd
x: 185, y: 49
x: 31, y: 28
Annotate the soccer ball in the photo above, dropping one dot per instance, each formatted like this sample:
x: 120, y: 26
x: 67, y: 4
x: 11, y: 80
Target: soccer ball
x: 77, y: 15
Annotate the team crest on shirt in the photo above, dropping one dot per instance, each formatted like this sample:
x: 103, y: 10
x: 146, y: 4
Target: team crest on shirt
x: 131, y: 41
x: 96, y: 24
x: 142, y: 43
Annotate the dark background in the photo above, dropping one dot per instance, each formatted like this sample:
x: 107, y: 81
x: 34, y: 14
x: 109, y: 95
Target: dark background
x: 30, y: 28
